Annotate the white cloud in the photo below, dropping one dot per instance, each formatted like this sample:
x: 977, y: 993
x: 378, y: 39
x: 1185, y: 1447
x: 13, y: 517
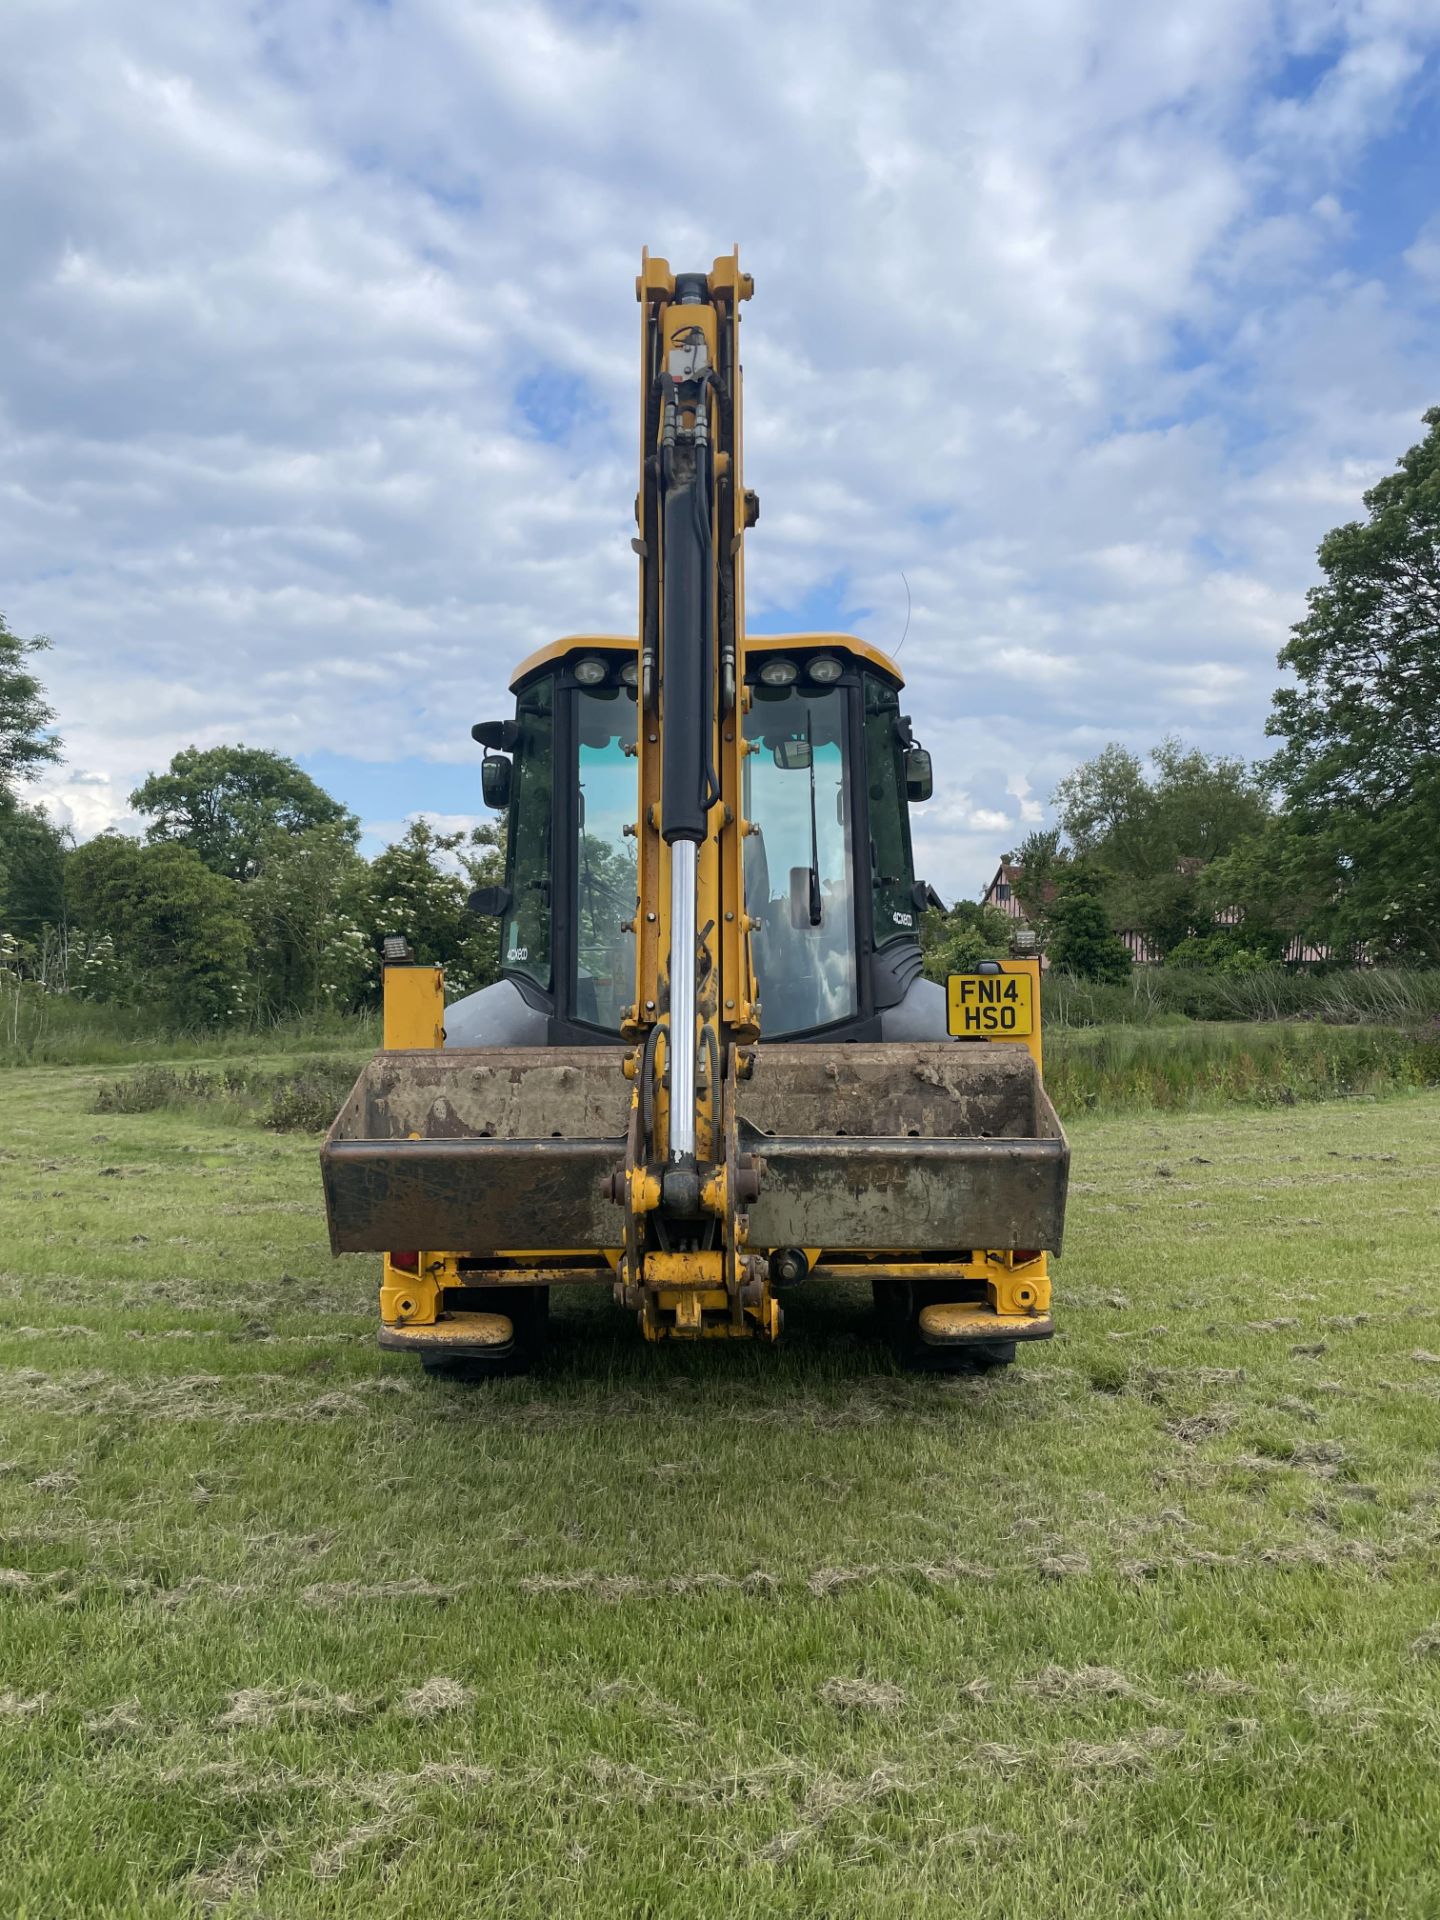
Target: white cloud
x: 1423, y: 255
x: 1018, y: 787
x: 318, y: 390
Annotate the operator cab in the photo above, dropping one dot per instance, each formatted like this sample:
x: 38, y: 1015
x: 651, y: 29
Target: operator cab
x: 829, y: 876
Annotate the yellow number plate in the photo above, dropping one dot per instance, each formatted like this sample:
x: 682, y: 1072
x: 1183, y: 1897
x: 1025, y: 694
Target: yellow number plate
x: 991, y: 1006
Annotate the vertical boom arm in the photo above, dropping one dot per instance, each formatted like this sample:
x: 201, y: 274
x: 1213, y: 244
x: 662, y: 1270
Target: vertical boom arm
x: 695, y: 994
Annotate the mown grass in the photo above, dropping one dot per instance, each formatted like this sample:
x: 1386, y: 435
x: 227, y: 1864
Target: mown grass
x: 1148, y: 1624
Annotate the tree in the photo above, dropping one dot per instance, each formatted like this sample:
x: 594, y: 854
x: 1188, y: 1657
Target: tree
x: 305, y: 908
x: 954, y: 942
x: 1359, y: 764
x: 1154, y: 834
x: 1081, y: 940
x: 225, y: 801
x: 1106, y: 805
x: 32, y: 873
x: 27, y: 742
x: 177, y: 937
x: 419, y: 887
x: 1040, y: 858
x: 1269, y: 881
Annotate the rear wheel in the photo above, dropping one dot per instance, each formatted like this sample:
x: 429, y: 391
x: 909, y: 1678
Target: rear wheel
x: 528, y: 1311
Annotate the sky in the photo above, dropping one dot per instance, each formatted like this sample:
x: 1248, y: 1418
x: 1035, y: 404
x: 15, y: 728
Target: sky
x: 1075, y: 328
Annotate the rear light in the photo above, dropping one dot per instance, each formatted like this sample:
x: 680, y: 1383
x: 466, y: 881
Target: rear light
x: 1021, y: 1257
x: 409, y: 1261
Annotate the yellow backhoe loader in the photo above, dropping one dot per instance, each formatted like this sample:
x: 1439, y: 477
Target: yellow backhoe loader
x: 711, y: 1070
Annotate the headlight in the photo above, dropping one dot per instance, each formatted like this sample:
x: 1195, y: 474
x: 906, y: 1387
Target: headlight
x: 630, y: 672
x: 591, y: 672
x: 778, y: 673
x: 825, y: 669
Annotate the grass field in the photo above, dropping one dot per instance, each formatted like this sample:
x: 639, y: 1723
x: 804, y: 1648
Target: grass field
x: 1148, y: 1624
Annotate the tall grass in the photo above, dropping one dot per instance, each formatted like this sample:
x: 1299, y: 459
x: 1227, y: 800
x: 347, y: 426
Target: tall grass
x: 301, y: 1097
x: 1115, y: 1070
x: 1128, y: 1068
x: 1157, y: 996
x: 53, y: 1029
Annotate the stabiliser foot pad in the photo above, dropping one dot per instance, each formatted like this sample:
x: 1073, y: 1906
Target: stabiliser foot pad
x: 965, y: 1325
x: 458, y: 1336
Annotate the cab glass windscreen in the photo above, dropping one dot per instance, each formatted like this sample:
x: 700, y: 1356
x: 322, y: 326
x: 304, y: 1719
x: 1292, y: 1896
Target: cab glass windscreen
x: 605, y: 861
x: 799, y: 862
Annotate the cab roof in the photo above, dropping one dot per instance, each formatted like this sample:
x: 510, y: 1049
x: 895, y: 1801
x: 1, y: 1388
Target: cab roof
x: 761, y: 643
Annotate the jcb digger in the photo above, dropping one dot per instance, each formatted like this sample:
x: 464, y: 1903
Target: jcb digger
x: 711, y: 1070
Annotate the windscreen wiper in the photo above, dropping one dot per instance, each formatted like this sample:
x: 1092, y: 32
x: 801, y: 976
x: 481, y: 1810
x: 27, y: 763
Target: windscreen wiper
x: 816, y: 904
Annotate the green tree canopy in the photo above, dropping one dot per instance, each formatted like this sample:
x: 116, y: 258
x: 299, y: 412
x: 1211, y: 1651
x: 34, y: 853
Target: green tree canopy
x: 27, y: 742
x: 1154, y: 833
x: 305, y: 905
x: 954, y: 942
x: 175, y: 928
x: 1362, y: 726
x: 1040, y: 858
x: 1081, y: 939
x: 419, y: 886
x: 32, y: 873
x: 224, y: 802
x: 1358, y: 767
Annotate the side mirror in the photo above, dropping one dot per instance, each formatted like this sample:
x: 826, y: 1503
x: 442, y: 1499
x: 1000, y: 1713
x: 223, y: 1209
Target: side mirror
x: 793, y: 755
x: 919, y: 774
x: 490, y: 902
x: 499, y: 736
x: 495, y: 781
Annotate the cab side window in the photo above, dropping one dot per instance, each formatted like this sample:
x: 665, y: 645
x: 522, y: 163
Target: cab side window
x: 892, y: 872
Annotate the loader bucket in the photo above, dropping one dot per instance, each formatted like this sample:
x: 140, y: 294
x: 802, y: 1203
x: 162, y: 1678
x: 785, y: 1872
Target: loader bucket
x: 478, y: 1149
x: 930, y: 1147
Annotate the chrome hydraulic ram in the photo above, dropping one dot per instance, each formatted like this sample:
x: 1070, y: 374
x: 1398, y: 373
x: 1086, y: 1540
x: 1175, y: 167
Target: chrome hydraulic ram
x: 688, y: 784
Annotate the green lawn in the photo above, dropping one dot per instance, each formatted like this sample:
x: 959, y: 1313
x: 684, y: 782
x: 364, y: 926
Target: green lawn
x: 1149, y: 1624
